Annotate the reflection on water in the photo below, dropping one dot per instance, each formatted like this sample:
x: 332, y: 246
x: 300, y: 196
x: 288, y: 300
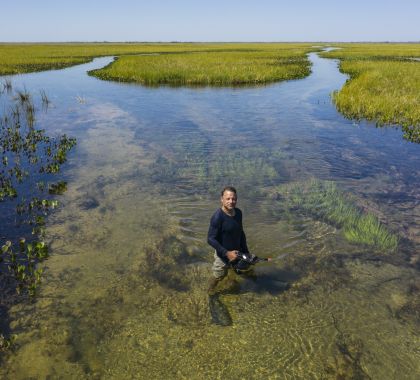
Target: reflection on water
x: 125, y: 291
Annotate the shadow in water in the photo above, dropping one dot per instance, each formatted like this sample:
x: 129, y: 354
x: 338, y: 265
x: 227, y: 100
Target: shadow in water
x: 272, y: 281
x: 219, y: 312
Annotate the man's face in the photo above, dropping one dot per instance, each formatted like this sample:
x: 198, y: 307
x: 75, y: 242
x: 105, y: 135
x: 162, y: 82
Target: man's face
x: 228, y: 200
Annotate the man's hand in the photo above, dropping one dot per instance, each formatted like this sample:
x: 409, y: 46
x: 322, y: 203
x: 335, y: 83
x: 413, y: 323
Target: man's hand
x: 231, y: 255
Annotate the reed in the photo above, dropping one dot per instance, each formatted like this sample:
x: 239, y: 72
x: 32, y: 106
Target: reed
x: 209, y: 68
x: 238, y: 62
x: 384, y: 85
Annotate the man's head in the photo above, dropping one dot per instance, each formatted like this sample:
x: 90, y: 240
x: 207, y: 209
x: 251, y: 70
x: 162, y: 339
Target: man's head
x: 228, y: 198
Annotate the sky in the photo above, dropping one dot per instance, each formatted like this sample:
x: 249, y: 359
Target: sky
x: 208, y: 21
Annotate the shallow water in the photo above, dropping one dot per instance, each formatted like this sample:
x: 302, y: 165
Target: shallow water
x: 124, y: 294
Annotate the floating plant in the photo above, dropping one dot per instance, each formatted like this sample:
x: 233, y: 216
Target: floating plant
x: 29, y: 158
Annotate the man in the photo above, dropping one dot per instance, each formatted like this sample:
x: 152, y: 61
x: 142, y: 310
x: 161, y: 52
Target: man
x: 226, y: 235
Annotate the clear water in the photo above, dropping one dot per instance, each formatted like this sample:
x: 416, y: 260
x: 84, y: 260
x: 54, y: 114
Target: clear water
x: 125, y: 290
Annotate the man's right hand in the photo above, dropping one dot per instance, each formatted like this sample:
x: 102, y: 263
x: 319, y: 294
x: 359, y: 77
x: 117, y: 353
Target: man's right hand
x: 231, y: 255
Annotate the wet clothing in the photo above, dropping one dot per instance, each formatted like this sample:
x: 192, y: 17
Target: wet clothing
x: 226, y: 234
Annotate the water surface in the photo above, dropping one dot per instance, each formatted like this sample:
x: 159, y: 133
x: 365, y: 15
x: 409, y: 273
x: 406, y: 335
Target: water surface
x: 124, y: 295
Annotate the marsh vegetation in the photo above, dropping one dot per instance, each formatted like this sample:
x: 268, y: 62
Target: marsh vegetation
x: 384, y: 84
x: 23, y: 58
x: 220, y: 68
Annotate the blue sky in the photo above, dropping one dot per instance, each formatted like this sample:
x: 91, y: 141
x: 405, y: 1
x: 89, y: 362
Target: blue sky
x: 228, y: 20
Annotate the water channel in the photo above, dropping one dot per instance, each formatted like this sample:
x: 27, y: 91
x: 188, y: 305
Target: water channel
x: 125, y: 290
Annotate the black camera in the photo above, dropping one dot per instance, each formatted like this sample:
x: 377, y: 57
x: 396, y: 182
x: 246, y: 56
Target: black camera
x: 243, y: 262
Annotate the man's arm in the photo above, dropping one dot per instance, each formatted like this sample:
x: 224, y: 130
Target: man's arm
x: 244, y: 247
x: 214, y: 229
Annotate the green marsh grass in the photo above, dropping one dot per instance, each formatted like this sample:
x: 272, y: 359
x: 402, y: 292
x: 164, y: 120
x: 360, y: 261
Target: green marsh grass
x: 209, y: 68
x: 384, y: 84
x: 237, y: 62
x: 322, y: 200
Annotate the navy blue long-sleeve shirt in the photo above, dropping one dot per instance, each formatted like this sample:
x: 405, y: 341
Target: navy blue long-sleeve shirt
x: 226, y: 233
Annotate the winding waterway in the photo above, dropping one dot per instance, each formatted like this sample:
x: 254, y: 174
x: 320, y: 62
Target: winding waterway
x: 124, y: 292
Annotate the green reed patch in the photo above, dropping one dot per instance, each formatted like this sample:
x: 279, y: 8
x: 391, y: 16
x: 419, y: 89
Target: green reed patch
x: 209, y: 68
x: 22, y: 58
x: 323, y: 201
x: 384, y: 84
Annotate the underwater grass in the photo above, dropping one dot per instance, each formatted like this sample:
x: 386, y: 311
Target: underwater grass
x: 323, y: 201
x: 384, y: 84
x: 251, y: 169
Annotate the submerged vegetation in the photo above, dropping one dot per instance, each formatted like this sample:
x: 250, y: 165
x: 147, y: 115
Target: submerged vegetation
x: 29, y: 159
x: 251, y: 169
x: 384, y: 84
x: 323, y: 201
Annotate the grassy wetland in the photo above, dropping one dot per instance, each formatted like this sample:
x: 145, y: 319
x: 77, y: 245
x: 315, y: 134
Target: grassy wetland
x: 23, y: 58
x: 384, y: 84
x: 124, y: 287
x: 211, y: 68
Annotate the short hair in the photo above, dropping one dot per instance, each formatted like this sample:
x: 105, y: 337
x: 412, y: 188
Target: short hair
x: 228, y: 188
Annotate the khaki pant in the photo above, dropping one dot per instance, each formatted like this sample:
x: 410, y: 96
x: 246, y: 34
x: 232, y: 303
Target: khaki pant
x: 219, y: 267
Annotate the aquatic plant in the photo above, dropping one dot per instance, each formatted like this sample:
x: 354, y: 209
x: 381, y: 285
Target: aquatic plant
x: 166, y: 263
x: 7, y: 85
x: 57, y: 188
x: 28, y: 158
x: 250, y: 169
x: 6, y: 343
x: 45, y: 100
x: 384, y: 85
x: 322, y: 200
